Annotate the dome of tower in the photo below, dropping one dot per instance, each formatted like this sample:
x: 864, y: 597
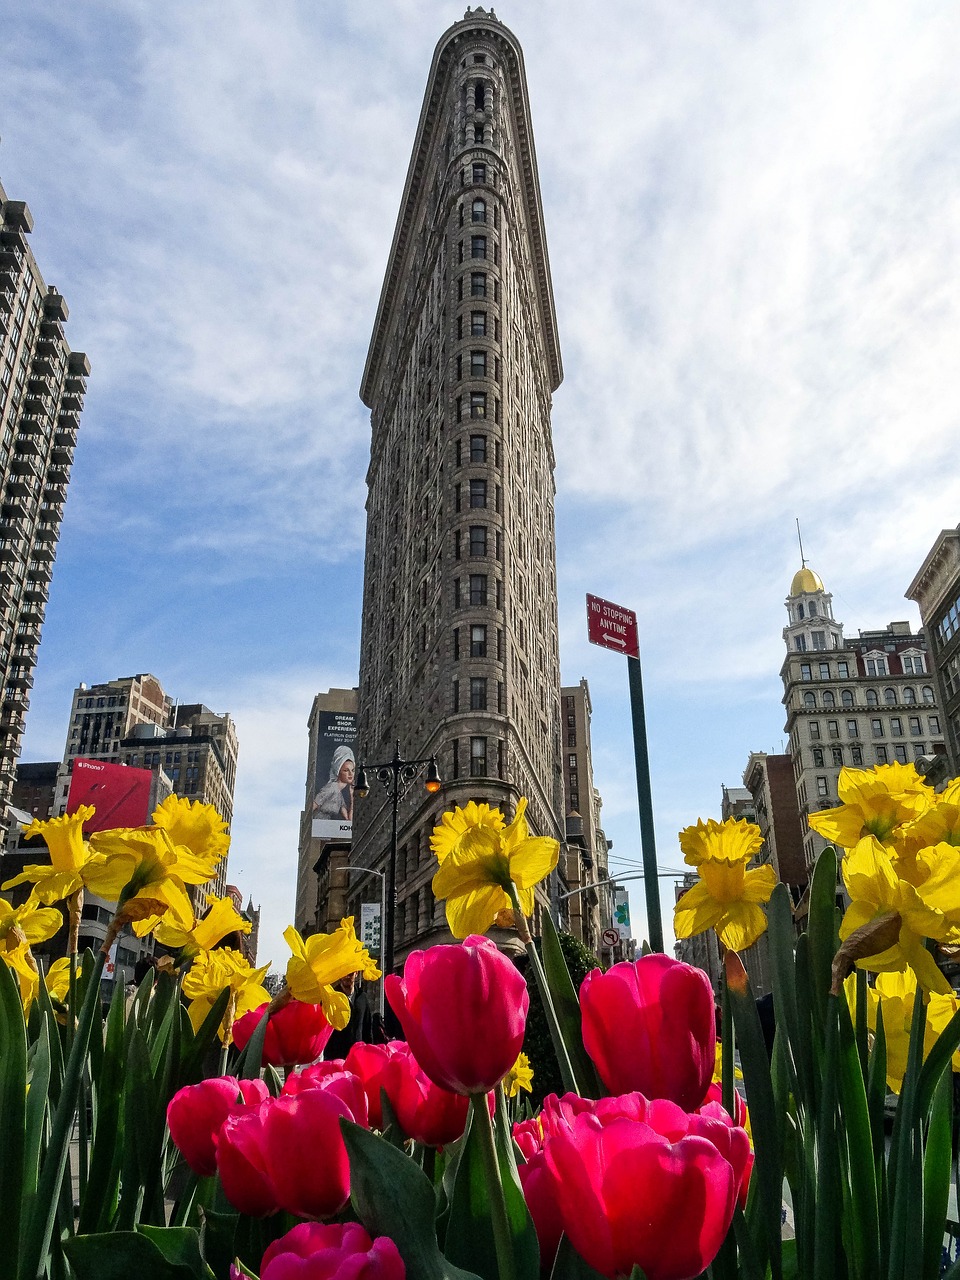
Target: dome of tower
x: 805, y: 580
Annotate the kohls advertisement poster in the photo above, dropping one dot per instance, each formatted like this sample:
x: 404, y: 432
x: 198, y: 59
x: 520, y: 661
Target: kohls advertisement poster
x: 336, y: 767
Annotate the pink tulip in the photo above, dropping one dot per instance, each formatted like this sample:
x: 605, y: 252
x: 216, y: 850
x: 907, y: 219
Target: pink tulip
x: 296, y: 1033
x: 312, y: 1076
x: 649, y: 1026
x: 463, y: 1010
x: 302, y: 1147
x: 371, y: 1064
x: 241, y: 1163
x: 424, y: 1111
x: 331, y: 1251
x: 540, y: 1195
x: 196, y: 1112
x: 654, y: 1192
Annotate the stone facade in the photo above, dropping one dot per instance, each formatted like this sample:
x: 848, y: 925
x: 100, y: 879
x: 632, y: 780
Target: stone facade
x: 588, y: 913
x: 42, y: 386
x: 857, y: 702
x: 459, y: 649
x: 936, y: 590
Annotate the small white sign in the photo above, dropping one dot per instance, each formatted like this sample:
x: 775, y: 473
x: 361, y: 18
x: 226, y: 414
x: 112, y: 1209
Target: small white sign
x: 370, y: 925
x: 621, y: 913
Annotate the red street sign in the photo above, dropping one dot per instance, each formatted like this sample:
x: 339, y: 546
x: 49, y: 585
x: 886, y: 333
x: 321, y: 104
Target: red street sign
x: 612, y: 626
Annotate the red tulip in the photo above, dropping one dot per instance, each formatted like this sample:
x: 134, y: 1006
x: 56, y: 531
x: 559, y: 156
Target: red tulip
x: 649, y: 1026
x: 312, y: 1076
x: 424, y: 1111
x: 538, y: 1191
x: 331, y: 1251
x: 241, y: 1163
x: 463, y: 1010
x: 741, y: 1155
x: 630, y: 1194
x: 196, y: 1112
x: 296, y: 1033
x: 303, y: 1150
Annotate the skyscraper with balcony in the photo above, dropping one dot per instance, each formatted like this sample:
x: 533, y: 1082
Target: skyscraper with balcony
x: 42, y: 385
x: 459, y: 649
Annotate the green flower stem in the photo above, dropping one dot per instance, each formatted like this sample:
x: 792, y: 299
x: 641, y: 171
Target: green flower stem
x: 498, y: 1204
x: 556, y: 1035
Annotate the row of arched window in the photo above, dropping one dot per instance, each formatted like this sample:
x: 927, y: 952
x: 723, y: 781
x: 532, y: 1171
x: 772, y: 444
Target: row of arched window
x: 908, y: 696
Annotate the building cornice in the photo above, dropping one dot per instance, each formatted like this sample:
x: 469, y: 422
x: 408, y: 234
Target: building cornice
x: 416, y: 191
x: 937, y: 573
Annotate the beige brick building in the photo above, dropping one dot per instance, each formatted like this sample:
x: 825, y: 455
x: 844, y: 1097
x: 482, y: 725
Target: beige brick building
x: 459, y: 650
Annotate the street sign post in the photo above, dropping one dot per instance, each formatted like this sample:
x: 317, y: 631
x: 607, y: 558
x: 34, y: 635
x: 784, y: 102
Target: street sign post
x: 614, y: 627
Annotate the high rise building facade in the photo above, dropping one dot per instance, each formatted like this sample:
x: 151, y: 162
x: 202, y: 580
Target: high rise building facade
x: 858, y: 702
x: 42, y: 386
x: 588, y: 910
x: 936, y: 590
x: 459, y: 648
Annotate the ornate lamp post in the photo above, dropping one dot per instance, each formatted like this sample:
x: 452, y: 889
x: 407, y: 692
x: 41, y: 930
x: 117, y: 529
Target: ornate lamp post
x: 396, y: 775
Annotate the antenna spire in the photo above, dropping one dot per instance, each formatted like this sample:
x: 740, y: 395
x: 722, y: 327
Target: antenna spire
x: 803, y: 562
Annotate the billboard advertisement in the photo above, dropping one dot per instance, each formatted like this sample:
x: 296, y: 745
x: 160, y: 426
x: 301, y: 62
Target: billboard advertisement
x: 120, y: 794
x: 621, y: 914
x: 333, y: 781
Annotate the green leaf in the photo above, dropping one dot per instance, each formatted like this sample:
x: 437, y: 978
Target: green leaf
x: 568, y: 1264
x: 936, y: 1174
x: 567, y: 1007
x: 118, y: 1255
x: 99, y: 1203
x: 936, y: 1063
x: 796, y: 1043
x: 822, y: 927
x: 766, y: 1201
x: 218, y: 1233
x: 179, y: 1245
x: 13, y: 1116
x: 393, y: 1197
x: 863, y: 1222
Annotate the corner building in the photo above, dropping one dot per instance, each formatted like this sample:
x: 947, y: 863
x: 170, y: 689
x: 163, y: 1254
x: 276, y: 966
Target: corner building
x: 459, y: 649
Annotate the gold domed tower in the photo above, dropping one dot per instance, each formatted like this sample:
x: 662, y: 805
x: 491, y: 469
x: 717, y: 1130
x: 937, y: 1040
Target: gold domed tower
x: 811, y: 626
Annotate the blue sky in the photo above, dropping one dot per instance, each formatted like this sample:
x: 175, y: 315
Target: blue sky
x: 752, y: 218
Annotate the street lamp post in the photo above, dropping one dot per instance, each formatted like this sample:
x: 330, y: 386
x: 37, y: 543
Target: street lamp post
x: 396, y: 775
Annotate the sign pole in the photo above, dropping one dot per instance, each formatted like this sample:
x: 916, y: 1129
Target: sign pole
x: 651, y: 883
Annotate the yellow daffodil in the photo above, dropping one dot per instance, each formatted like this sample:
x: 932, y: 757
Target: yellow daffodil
x: 520, y: 1076
x: 57, y: 978
x: 931, y: 910
x: 476, y: 872
x: 323, y: 959
x: 222, y: 917
x: 454, y: 824
x: 939, y: 825
x: 728, y: 896
x: 29, y: 923
x: 196, y: 826
x: 144, y: 866
x: 215, y: 971
x: 718, y: 1067
x: 19, y: 960
x: 894, y: 997
x: 874, y: 802
x: 70, y: 856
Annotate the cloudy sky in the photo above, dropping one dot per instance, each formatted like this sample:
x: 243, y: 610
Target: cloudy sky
x: 753, y: 215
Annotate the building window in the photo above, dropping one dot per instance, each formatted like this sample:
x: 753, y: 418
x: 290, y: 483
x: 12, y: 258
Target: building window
x: 478, y: 448
x: 876, y: 666
x: 828, y: 699
x: 456, y: 644
x: 843, y: 671
x: 800, y: 644
x: 876, y: 728
x: 478, y: 642
x: 478, y: 493
x: 809, y: 700
x: 478, y: 757
x: 833, y: 728
x: 478, y: 211
x: 479, y: 174
x: 478, y: 364
x: 853, y: 730
x: 478, y: 246
x: 478, y: 284
x: 478, y: 404
x: 934, y: 723
x: 896, y: 727
x: 927, y: 693
x: 909, y: 696
x: 837, y: 755
x: 856, y: 754
x: 819, y: 639
x: 890, y: 697
x: 478, y: 540
x: 478, y: 589
x: 918, y: 750
x: 912, y: 665
x: 818, y: 757
x: 900, y: 755
x: 478, y: 324
x: 846, y: 697
x: 805, y: 673
x: 478, y: 693
x: 872, y: 699
x: 822, y: 788
x: 815, y: 730
x: 915, y: 727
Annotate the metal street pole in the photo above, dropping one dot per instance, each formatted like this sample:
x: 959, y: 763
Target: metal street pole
x: 372, y: 871
x: 651, y: 887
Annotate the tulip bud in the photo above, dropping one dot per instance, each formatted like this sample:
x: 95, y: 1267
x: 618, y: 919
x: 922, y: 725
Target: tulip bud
x: 296, y: 1033
x: 463, y: 1010
x: 649, y: 1026
x: 324, y: 1251
x: 196, y: 1112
